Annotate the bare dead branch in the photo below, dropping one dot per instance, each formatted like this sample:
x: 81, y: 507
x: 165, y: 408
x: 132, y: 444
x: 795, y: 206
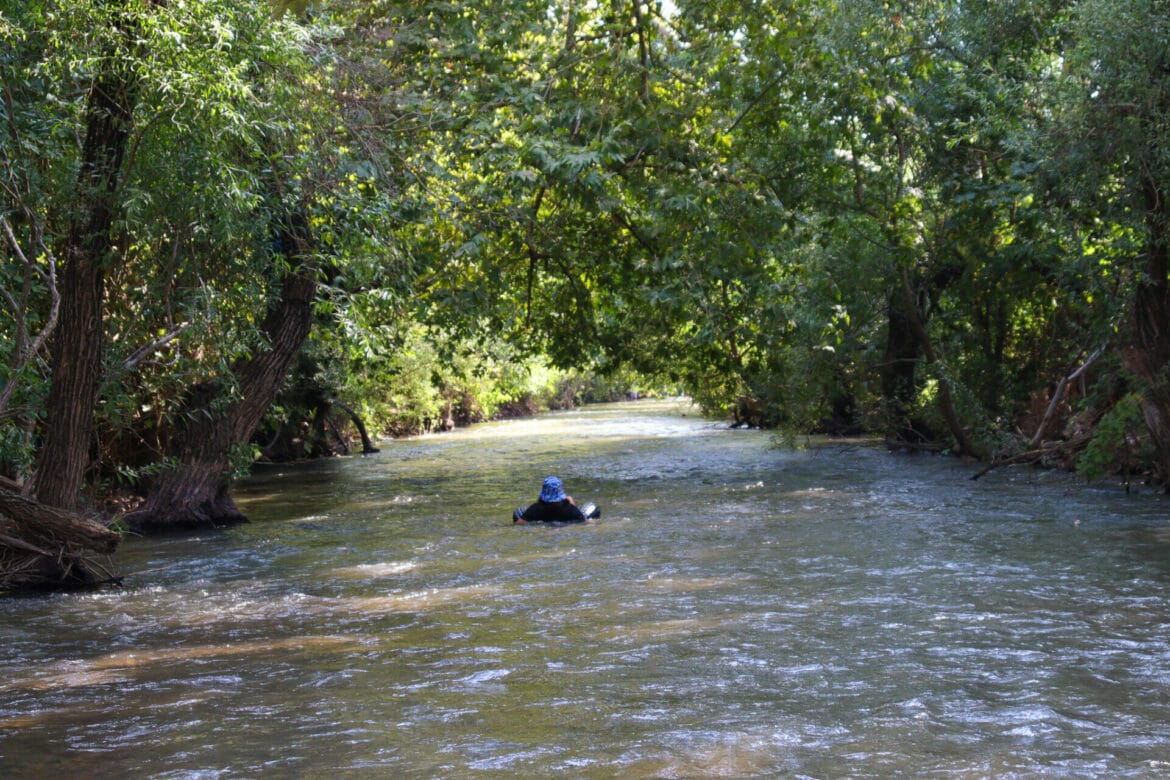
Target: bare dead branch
x: 1059, y: 395
x: 153, y: 346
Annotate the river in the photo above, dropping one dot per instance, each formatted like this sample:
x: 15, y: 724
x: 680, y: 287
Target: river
x: 740, y: 610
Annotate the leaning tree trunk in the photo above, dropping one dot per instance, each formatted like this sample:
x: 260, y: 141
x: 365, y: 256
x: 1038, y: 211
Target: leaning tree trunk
x: 196, y: 490
x: 1148, y: 354
x: 367, y: 445
x: 78, y: 341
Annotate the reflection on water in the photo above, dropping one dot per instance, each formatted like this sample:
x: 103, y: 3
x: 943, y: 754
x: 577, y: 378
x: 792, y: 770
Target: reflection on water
x: 740, y: 611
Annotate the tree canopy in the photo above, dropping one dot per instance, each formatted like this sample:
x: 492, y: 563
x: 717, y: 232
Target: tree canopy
x: 943, y: 223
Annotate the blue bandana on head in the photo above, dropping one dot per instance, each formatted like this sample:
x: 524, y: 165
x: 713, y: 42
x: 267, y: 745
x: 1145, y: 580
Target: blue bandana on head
x: 552, y: 491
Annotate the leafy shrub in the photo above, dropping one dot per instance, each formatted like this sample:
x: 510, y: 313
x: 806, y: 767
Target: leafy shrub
x: 1120, y: 443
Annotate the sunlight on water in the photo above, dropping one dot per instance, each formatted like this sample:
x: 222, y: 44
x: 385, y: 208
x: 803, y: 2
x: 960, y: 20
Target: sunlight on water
x: 418, y: 600
x: 375, y: 570
x: 739, y: 611
x: 664, y: 629
x: 116, y: 667
x: 681, y: 585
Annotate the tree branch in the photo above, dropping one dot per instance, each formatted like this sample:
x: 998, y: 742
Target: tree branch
x: 140, y: 354
x: 1059, y: 395
x: 25, y: 350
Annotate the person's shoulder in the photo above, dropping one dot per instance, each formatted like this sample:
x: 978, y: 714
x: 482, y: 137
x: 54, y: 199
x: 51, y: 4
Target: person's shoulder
x: 572, y: 512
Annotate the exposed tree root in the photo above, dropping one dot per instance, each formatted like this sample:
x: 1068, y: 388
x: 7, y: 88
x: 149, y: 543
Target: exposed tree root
x: 46, y: 548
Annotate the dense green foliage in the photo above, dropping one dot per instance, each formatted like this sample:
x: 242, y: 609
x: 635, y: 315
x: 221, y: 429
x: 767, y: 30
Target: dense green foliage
x: 913, y: 220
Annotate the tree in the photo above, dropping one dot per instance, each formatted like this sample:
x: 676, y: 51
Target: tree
x: 1112, y: 133
x: 28, y: 277
x: 217, y: 420
x: 191, y: 94
x: 85, y: 253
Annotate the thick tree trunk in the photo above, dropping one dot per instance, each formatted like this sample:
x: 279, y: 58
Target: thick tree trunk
x: 77, y: 344
x: 195, y: 491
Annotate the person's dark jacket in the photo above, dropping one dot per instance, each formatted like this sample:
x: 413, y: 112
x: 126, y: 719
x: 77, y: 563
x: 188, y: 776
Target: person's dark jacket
x: 552, y: 512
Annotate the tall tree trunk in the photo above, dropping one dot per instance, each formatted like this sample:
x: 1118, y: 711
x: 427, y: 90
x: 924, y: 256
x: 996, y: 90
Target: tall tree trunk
x: 946, y: 404
x: 899, y: 371
x: 195, y: 491
x: 1148, y: 354
x: 78, y: 342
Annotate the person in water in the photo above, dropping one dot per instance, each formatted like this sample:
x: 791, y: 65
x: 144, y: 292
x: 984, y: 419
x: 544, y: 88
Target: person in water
x: 553, y: 506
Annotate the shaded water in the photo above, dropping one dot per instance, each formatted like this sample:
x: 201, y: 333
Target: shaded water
x: 740, y: 611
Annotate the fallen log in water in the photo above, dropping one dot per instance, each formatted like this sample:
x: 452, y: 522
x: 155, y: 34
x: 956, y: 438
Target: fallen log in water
x: 46, y: 547
x: 1060, y: 449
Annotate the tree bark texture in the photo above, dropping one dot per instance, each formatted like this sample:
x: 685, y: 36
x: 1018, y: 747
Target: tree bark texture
x: 39, y: 522
x: 195, y: 491
x: 77, y: 345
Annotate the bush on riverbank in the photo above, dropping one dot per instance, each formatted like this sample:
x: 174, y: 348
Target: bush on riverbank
x: 421, y: 381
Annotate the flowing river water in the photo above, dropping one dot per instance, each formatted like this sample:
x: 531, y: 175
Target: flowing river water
x: 740, y: 611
